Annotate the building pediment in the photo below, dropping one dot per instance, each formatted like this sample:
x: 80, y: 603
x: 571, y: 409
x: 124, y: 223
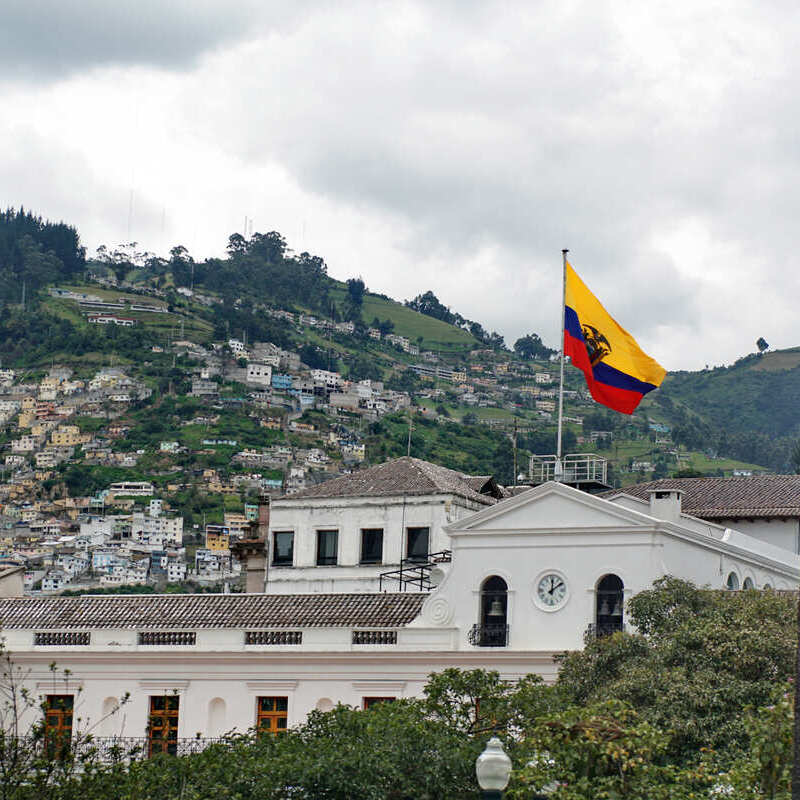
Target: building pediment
x: 551, y: 505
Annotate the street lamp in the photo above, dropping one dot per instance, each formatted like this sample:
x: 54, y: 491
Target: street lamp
x: 493, y: 768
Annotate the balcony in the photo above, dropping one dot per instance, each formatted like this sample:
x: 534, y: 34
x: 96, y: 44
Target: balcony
x: 595, y: 631
x: 488, y: 635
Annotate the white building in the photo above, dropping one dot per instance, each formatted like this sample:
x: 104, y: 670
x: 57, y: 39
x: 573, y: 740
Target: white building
x: 157, y: 530
x: 259, y: 374
x: 176, y: 571
x: 339, y: 536
x: 132, y: 488
x: 324, y: 377
x: 529, y: 577
x: 764, y: 506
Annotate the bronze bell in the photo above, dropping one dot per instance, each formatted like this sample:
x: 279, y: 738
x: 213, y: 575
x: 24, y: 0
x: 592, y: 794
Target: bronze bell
x: 496, y: 608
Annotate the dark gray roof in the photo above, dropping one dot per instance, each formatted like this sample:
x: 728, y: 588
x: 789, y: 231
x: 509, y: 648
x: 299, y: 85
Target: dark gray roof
x: 402, y: 476
x: 194, y: 611
x: 729, y: 498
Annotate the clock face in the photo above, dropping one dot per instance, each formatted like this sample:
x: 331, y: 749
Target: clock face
x: 551, y: 590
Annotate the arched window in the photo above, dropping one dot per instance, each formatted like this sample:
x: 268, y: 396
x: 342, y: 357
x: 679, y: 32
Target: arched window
x: 732, y: 583
x: 216, y: 717
x: 748, y: 584
x: 492, y: 628
x: 609, y: 605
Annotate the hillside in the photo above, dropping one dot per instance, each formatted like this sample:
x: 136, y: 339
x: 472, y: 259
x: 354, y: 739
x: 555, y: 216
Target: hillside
x: 747, y: 410
x: 713, y: 421
x: 429, y: 333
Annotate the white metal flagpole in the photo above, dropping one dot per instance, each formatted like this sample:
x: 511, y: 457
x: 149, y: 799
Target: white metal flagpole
x: 558, y: 468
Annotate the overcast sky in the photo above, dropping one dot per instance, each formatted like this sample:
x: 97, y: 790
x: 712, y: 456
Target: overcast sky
x: 453, y: 145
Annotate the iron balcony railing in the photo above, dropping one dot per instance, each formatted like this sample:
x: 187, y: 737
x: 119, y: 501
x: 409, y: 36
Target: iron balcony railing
x: 488, y: 635
x: 416, y: 572
x: 595, y: 631
x: 135, y: 748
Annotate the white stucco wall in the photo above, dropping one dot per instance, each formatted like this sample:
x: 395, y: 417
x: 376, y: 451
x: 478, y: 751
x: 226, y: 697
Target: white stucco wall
x: 349, y: 516
x: 783, y: 533
x: 200, y: 679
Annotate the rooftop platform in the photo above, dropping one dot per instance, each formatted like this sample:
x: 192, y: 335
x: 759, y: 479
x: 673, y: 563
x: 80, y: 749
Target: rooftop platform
x: 585, y: 471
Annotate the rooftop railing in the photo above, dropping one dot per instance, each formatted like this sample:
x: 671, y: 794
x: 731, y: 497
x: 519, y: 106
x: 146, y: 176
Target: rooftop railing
x: 574, y: 468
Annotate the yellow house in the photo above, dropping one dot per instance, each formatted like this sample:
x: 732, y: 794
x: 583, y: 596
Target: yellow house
x: 218, y: 538
x: 26, y: 419
x: 67, y: 436
x: 236, y: 523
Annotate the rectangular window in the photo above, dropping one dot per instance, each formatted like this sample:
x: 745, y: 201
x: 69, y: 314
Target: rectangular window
x: 272, y: 714
x: 373, y: 701
x: 418, y: 541
x: 58, y: 722
x: 371, y: 545
x: 283, y: 548
x: 327, y: 547
x: 162, y: 728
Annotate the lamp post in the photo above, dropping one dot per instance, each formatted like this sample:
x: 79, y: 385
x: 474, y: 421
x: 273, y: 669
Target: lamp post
x: 493, y: 768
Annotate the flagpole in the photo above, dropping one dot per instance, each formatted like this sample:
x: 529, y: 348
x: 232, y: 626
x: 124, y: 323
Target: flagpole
x: 558, y: 468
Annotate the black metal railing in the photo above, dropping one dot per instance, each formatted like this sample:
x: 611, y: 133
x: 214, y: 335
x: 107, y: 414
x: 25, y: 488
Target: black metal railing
x: 273, y: 637
x: 154, y: 638
x: 109, y: 749
x: 595, y: 631
x: 374, y: 637
x: 61, y: 638
x: 488, y: 635
x: 416, y: 571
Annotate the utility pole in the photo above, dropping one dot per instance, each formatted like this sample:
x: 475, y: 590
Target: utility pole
x: 410, y: 426
x: 515, y: 452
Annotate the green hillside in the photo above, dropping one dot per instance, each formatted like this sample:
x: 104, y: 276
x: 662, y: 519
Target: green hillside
x: 435, y: 334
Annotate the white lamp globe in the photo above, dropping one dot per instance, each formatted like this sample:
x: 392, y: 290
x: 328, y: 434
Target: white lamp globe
x: 493, y: 767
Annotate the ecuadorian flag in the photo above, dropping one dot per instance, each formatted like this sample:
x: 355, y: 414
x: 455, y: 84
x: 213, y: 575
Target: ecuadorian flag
x: 618, y: 372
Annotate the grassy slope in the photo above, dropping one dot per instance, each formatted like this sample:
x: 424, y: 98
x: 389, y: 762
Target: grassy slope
x: 163, y: 325
x: 436, y: 335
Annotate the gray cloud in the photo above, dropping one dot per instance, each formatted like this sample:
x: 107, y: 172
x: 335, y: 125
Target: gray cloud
x: 53, y: 38
x: 659, y: 144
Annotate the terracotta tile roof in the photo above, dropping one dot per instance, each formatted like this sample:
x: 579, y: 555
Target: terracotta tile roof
x: 730, y: 498
x: 194, y: 611
x: 401, y: 476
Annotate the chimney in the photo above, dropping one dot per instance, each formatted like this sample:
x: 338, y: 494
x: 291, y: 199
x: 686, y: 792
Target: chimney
x: 263, y: 517
x: 252, y: 552
x: 665, y: 504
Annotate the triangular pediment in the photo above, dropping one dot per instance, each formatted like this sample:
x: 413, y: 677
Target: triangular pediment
x: 551, y: 506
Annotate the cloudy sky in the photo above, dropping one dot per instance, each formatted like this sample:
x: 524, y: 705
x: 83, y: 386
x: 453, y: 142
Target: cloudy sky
x: 453, y: 145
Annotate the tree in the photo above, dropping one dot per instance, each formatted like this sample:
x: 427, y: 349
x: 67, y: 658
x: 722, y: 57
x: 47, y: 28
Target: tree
x: 429, y: 304
x: 237, y: 245
x: 355, y: 290
x: 679, y: 671
x: 531, y: 346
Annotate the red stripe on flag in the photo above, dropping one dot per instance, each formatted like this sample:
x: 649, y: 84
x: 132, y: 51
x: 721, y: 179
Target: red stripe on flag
x: 623, y: 400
